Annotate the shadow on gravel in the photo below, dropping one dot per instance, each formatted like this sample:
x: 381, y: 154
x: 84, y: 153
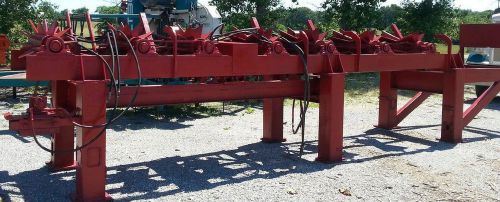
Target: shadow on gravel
x: 373, y: 137
x: 484, y: 134
x: 167, y: 176
x: 36, y: 185
x: 15, y: 135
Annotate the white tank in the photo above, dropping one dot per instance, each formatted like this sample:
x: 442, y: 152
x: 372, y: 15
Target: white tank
x: 205, y: 15
x: 208, y: 16
x: 495, y: 18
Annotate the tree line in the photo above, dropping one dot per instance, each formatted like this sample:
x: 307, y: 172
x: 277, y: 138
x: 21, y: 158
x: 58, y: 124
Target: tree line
x: 430, y: 17
x: 14, y: 16
x: 424, y: 16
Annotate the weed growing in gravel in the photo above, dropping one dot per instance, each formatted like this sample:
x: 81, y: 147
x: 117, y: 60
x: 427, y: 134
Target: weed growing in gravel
x: 18, y: 106
x: 249, y: 110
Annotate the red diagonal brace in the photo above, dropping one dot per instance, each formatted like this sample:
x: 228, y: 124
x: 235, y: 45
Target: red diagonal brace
x: 389, y: 115
x: 481, y: 103
x: 410, y: 106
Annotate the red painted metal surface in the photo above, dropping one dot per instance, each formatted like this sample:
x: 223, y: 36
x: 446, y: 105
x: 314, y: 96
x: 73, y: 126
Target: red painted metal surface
x: 216, y: 67
x: 4, y: 46
x: 388, y: 101
x: 39, y: 119
x: 17, y: 63
x: 199, y: 93
x: 273, y: 121
x: 481, y: 103
x: 331, y: 117
x: 63, y: 97
x: 453, y: 105
x: 91, y: 166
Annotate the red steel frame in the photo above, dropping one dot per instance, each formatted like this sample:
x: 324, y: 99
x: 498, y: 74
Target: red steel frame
x: 450, y: 83
x: 4, y: 46
x: 79, y: 85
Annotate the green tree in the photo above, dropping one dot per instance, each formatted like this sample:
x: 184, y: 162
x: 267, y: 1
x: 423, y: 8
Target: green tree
x: 388, y: 15
x: 108, y: 10
x: 81, y: 10
x: 238, y: 13
x: 296, y: 18
x: 468, y: 17
x: 430, y: 17
x: 102, y: 27
x: 353, y: 14
x: 47, y: 11
x: 13, y: 17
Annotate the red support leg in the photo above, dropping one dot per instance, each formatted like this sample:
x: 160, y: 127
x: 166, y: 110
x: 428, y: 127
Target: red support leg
x: 388, y: 105
x: 331, y: 117
x: 273, y: 120
x: 453, y: 106
x: 64, y: 140
x: 91, y: 170
x: 389, y: 114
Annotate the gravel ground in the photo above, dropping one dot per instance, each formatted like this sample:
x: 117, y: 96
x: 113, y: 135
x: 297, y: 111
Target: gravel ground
x: 220, y: 158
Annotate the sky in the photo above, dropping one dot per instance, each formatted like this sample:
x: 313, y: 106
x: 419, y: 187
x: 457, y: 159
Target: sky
x: 475, y: 5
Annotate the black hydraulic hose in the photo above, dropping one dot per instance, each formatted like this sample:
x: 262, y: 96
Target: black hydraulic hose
x: 117, y: 95
x: 139, y: 76
x: 139, y: 73
x: 134, y: 97
x: 113, y: 64
x: 221, y: 27
x: 117, y: 58
x: 304, y: 105
x: 98, y: 135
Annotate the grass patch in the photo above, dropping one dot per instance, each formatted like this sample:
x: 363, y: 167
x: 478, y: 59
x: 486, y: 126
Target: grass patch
x: 362, y: 87
x: 442, y: 48
x: 18, y: 106
x: 289, y: 102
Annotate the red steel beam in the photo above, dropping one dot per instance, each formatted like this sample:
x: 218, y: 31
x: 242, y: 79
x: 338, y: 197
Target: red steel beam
x: 389, y: 115
x: 199, y: 93
x: 42, y: 67
x: 479, y: 35
x: 453, y: 105
x: 272, y: 116
x: 91, y: 169
x: 427, y: 81
x: 481, y: 103
x: 64, y: 97
x: 400, y: 62
x: 388, y: 101
x: 273, y: 121
x: 480, y: 73
x: 331, y: 117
